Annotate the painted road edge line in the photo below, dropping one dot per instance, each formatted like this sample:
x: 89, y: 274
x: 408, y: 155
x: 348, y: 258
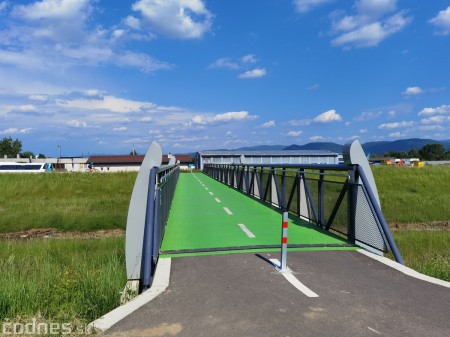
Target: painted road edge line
x: 294, y: 281
x: 217, y: 199
x: 405, y: 270
x: 228, y: 211
x: 159, y: 285
x: 247, y: 231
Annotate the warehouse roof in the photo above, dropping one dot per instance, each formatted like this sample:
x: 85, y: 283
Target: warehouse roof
x: 268, y: 153
x: 128, y: 159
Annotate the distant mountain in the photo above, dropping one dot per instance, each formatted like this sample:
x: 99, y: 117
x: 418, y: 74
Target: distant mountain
x: 333, y: 147
x: 401, y: 145
x: 261, y: 148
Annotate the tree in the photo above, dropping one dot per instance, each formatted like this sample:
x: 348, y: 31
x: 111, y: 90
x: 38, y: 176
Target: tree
x: 10, y: 147
x: 413, y: 154
x: 27, y: 154
x: 432, y: 152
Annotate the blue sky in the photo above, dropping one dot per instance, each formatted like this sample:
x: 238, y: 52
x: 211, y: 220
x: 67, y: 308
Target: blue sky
x: 99, y: 76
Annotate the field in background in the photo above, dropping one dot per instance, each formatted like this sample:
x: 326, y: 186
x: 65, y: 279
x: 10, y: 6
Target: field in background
x: 67, y: 201
x: 414, y: 195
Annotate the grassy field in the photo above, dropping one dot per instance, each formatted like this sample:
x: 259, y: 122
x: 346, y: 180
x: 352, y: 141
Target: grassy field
x: 67, y: 201
x: 65, y: 280
x: 414, y: 195
x: 428, y: 252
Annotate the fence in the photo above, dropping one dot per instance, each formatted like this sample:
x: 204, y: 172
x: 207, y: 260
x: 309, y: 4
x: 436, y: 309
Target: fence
x: 328, y: 195
x: 147, y: 216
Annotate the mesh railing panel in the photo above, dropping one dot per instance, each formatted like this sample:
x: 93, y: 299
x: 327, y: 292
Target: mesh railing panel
x: 366, y: 226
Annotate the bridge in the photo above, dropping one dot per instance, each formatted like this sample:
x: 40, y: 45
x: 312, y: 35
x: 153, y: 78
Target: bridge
x: 244, y: 250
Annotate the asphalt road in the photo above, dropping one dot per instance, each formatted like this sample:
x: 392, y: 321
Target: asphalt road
x: 243, y: 295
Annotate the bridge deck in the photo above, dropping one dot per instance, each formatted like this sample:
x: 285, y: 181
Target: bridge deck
x: 207, y: 215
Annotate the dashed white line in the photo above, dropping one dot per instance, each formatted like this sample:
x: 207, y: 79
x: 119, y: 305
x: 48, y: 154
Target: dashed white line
x: 211, y: 193
x: 294, y: 281
x: 373, y: 330
x: 217, y: 199
x: 247, y: 231
x: 206, y: 188
x: 228, y: 211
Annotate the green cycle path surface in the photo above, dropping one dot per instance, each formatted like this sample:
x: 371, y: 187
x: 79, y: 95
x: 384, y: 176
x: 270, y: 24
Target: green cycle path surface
x: 198, y: 222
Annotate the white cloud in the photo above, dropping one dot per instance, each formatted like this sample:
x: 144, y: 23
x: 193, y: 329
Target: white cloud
x: 76, y: 123
x: 328, y: 117
x: 121, y: 128
x: 304, y: 6
x: 368, y: 115
x: 255, y: 73
x: 224, y: 62
x: 294, y: 133
x: 363, y: 131
x: 396, y: 125
x: 132, y: 22
x: 139, y: 60
x: 300, y: 122
x: 3, y: 5
x: 431, y: 127
x: 396, y: 135
x: 435, y: 120
x: 412, y: 91
x: 110, y: 103
x: 314, y: 86
x: 316, y: 138
x: 39, y: 98
x: 52, y: 9
x: 182, y: 19
x: 15, y: 130
x: 26, y: 108
x: 269, y: 124
x: 250, y: 58
x: 223, y: 118
x: 369, y: 25
x: 441, y: 110
x: 442, y: 21
x: 59, y: 34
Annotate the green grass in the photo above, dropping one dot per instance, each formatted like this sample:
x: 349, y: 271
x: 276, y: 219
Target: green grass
x: 414, y: 195
x: 61, y: 280
x: 428, y: 252
x: 66, y: 201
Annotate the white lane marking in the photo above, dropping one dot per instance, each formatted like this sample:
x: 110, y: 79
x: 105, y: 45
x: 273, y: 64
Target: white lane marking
x: 211, y: 193
x: 217, y: 199
x: 373, y: 330
x: 294, y: 281
x: 247, y: 231
x: 228, y: 211
x: 206, y: 188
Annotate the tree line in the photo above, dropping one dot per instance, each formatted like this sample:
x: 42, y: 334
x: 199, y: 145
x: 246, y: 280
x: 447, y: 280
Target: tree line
x: 11, y: 148
x: 427, y: 152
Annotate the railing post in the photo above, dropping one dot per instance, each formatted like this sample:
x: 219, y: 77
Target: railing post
x: 352, y: 195
x: 321, y: 199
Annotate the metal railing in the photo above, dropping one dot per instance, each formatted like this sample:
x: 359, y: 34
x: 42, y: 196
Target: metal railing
x: 161, y: 190
x: 148, y: 213
x: 326, y: 195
